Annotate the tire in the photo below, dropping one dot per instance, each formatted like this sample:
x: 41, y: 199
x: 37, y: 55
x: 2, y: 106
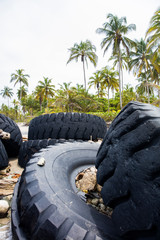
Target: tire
x: 128, y: 163
x: 67, y: 126
x: 3, y: 157
x: 45, y: 202
x: 30, y: 147
x: 12, y: 145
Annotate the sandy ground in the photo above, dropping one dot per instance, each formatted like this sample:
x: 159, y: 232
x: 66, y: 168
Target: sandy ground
x: 14, y: 169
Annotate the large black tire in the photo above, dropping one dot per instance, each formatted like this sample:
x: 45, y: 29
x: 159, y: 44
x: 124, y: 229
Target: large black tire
x: 128, y: 163
x: 45, y: 202
x: 12, y: 145
x: 30, y: 147
x: 3, y: 157
x: 67, y: 126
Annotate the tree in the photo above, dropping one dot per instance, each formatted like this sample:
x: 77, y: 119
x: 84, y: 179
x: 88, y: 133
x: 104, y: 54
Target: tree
x: 7, y: 92
x: 123, y: 63
x: 109, y: 80
x: 39, y: 95
x: 95, y: 81
x: 153, y: 32
x: 115, y: 30
x: 85, y: 51
x: 153, y: 37
x: 140, y: 62
x: 20, y: 78
x: 22, y: 92
x: 67, y: 97
x: 47, y: 88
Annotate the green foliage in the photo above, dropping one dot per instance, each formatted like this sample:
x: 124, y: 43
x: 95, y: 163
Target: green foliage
x: 107, y: 116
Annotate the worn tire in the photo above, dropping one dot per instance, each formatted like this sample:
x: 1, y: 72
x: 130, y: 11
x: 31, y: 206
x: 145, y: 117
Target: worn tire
x: 45, y: 202
x: 12, y: 145
x: 128, y: 163
x: 3, y: 157
x: 67, y: 126
x: 30, y: 147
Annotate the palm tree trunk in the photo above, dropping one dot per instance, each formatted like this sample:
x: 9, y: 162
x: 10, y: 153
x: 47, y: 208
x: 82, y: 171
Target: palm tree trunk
x: 120, y: 93
x: 20, y: 91
x: 108, y: 98
x: 84, y: 74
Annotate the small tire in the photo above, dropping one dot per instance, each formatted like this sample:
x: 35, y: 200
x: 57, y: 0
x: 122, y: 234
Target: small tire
x: 67, y: 126
x: 45, y: 202
x: 11, y: 145
x: 129, y: 170
x: 29, y: 148
x: 3, y: 157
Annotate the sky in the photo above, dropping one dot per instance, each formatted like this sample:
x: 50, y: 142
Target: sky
x: 35, y: 35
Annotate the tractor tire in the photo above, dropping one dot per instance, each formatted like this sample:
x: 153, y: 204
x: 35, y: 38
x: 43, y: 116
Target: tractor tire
x: 13, y: 144
x: 30, y: 147
x: 46, y: 204
x: 67, y: 126
x: 128, y: 163
x: 3, y: 157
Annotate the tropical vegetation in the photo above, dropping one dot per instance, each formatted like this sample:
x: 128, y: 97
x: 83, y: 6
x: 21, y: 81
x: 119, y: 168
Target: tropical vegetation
x: 140, y: 56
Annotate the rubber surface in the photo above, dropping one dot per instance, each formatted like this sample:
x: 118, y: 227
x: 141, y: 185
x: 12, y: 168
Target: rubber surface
x: 12, y: 145
x: 29, y: 148
x: 128, y: 163
x: 46, y: 204
x: 3, y: 157
x: 67, y: 126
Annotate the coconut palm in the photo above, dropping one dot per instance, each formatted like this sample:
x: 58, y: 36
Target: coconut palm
x: 96, y: 81
x: 84, y: 51
x: 109, y: 80
x: 20, y: 78
x: 22, y: 92
x: 39, y: 95
x: 123, y: 63
x: 47, y: 88
x: 153, y: 32
x: 6, y: 92
x: 115, y: 30
x: 140, y: 62
x: 67, y: 97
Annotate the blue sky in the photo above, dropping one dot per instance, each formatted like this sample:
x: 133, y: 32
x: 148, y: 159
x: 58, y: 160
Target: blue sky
x: 36, y: 36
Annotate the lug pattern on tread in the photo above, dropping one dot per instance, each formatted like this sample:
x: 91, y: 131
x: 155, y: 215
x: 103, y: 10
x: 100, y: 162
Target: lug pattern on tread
x: 67, y: 126
x: 129, y: 169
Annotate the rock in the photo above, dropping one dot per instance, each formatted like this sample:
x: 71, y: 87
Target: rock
x: 87, y: 181
x: 99, y: 188
x: 95, y: 201
x: 41, y: 162
x: 102, y: 207
x: 4, y: 207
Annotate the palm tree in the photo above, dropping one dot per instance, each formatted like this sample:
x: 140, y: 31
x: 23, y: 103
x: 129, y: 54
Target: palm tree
x: 20, y: 78
x: 22, y: 92
x: 47, y: 88
x: 84, y: 50
x: 39, y: 95
x: 67, y: 97
x: 7, y: 92
x: 153, y: 32
x: 140, y: 61
x: 95, y: 81
x: 16, y: 104
x: 115, y: 30
x: 109, y: 80
x: 123, y: 63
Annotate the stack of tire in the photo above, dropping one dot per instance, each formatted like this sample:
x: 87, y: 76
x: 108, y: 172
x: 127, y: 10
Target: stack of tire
x: 9, y: 147
x: 46, y: 203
